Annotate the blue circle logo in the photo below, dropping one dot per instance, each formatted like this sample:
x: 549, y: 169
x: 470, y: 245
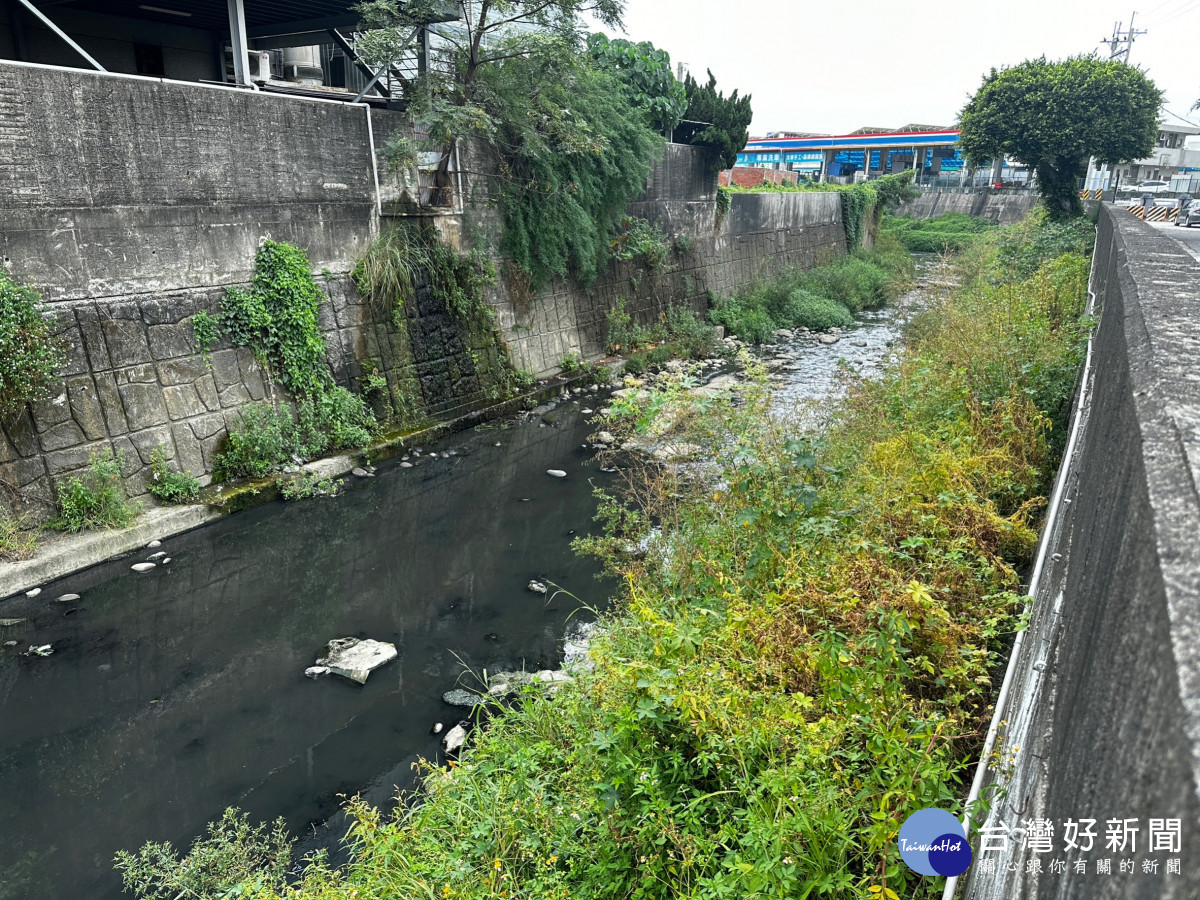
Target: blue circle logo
x: 933, y: 842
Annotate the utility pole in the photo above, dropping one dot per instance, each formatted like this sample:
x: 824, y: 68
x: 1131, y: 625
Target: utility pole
x: 1121, y: 43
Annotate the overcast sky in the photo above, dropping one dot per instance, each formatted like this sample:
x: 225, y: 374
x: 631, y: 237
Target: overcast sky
x: 831, y: 68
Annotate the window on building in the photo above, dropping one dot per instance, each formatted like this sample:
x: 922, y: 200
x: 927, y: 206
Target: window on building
x: 149, y: 58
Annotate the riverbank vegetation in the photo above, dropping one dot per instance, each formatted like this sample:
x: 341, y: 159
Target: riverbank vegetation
x: 825, y: 297
x: 948, y: 233
x: 804, y: 646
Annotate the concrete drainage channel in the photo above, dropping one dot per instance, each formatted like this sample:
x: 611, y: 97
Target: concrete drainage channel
x: 76, y: 552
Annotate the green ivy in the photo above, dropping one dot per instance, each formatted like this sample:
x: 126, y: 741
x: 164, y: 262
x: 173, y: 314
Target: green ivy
x: 29, y: 354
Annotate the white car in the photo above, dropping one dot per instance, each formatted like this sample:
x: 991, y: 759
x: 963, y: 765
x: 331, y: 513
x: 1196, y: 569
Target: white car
x: 1190, y: 215
x: 1151, y: 187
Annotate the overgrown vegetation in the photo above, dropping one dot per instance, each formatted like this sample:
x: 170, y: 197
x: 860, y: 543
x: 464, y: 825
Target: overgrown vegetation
x: 233, y: 853
x: 638, y: 239
x: 276, y: 318
x: 677, y: 335
x: 169, y: 486
x: 30, y: 354
x: 715, y: 122
x: 307, y: 485
x: 820, y: 298
x: 96, y: 499
x: 945, y: 234
x: 645, y: 71
x: 802, y: 656
x: 16, y: 541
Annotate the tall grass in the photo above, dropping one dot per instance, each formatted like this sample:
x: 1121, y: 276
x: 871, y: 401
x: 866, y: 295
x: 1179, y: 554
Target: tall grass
x: 801, y: 657
x: 819, y: 299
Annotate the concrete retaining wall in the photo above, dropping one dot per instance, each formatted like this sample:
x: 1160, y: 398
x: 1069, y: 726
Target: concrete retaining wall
x: 1004, y: 207
x: 760, y: 234
x: 132, y: 203
x: 1104, y: 718
x: 114, y: 185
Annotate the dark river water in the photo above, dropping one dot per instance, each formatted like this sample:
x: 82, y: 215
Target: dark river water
x: 174, y: 694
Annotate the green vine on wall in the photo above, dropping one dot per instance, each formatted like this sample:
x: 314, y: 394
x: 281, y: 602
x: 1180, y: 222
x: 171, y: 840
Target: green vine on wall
x: 276, y: 319
x: 29, y: 354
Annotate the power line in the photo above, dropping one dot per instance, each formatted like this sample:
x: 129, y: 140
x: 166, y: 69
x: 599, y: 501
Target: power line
x: 1181, y: 12
x: 1121, y: 43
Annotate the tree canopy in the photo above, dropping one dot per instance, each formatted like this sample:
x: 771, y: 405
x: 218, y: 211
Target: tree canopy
x: 1052, y: 116
x: 646, y: 73
x: 715, y: 121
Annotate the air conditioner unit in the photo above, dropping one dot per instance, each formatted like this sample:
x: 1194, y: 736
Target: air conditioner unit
x: 258, y: 65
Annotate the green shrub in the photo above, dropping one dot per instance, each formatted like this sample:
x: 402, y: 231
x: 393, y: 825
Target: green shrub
x: 96, y: 500
x: 306, y: 486
x: 168, y: 486
x: 29, y: 354
x: 639, y: 239
x: 261, y: 439
x: 233, y: 853
x: 853, y: 281
x: 818, y: 313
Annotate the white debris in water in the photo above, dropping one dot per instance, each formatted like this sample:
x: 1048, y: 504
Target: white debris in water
x: 556, y: 473
x: 153, y: 544
x: 355, y: 659
x: 316, y: 671
x: 142, y: 566
x: 33, y: 593
x: 159, y: 555
x: 537, y: 587
x: 43, y: 650
x: 406, y: 465
x: 455, y: 738
x: 437, y: 727
x: 586, y: 412
x: 66, y: 598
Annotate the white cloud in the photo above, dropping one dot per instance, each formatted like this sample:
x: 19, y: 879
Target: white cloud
x: 828, y: 67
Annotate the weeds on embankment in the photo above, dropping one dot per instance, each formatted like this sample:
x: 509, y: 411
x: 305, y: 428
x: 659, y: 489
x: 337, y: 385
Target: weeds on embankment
x: 802, y: 654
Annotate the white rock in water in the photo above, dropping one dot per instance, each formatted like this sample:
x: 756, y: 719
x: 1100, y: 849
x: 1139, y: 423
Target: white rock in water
x: 360, y: 472
x: 316, y: 671
x: 455, y: 738
x: 498, y: 444
x: 437, y: 727
x: 66, y: 598
x: 556, y: 473
x: 142, y: 567
x: 553, y: 676
x: 355, y: 659
x: 586, y: 412
x: 166, y: 562
x: 10, y: 643
x: 159, y: 555
x: 829, y: 339
x: 33, y: 593
x: 153, y: 544
x: 537, y: 587
x: 406, y: 465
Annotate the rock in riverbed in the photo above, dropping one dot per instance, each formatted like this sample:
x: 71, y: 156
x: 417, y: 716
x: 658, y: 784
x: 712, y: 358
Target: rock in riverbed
x: 455, y: 738
x: 354, y: 659
x: 461, y: 697
x: 556, y: 473
x: 142, y: 567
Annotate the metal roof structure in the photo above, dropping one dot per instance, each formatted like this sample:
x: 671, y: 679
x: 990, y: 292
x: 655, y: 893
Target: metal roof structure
x: 263, y: 17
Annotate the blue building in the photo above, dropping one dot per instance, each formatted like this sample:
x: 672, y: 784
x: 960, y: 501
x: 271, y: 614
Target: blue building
x: 931, y: 151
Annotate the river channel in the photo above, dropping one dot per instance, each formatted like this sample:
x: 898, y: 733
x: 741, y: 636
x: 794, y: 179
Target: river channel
x: 173, y: 694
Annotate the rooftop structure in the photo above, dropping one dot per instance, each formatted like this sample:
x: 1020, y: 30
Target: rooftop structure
x: 288, y: 46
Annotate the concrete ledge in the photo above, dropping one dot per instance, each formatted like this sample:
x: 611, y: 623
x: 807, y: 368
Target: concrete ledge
x: 1104, y: 718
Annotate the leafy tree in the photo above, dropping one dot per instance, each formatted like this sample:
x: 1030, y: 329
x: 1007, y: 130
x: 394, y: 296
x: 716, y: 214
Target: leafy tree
x: 646, y: 72
x: 570, y: 149
x: 1052, y: 116
x: 714, y: 121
